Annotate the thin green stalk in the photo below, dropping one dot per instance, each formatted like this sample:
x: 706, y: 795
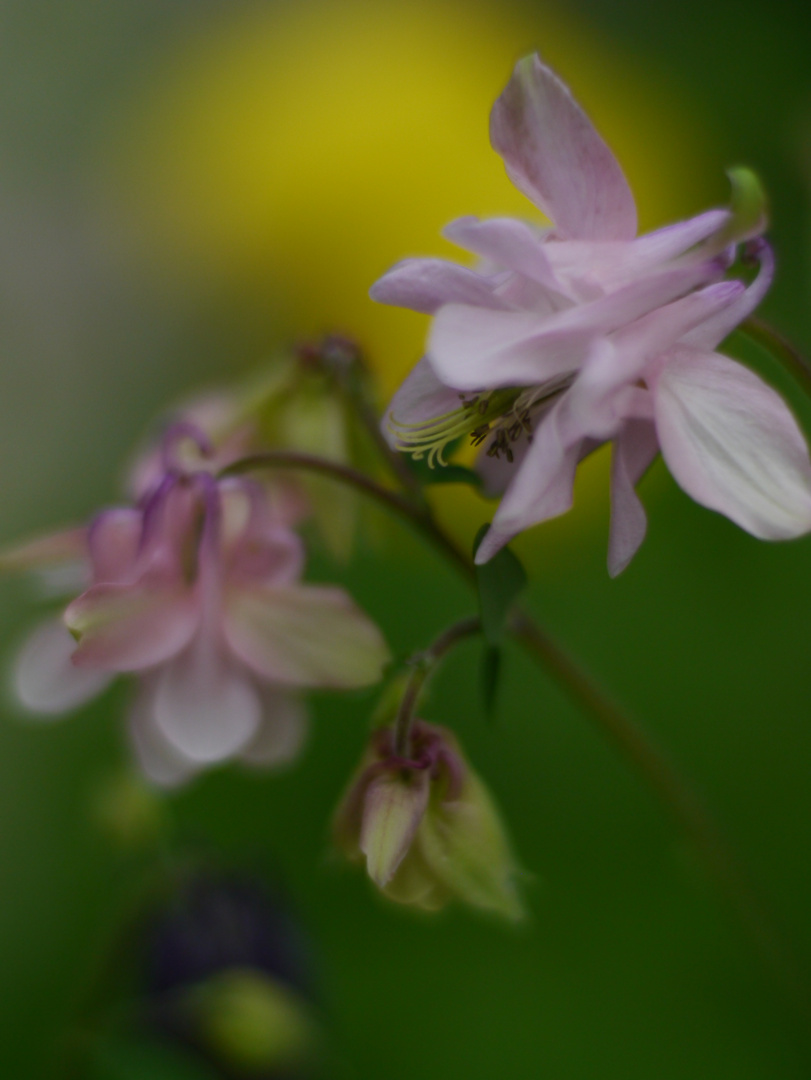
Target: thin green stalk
x: 781, y: 348
x: 423, y: 664
x: 419, y: 516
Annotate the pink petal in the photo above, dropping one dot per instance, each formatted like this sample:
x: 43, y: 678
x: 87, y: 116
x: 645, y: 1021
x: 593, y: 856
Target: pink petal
x: 506, y: 242
x: 541, y: 489
x: 632, y: 453
x: 554, y: 155
x: 470, y: 348
x: 283, y: 730
x: 158, y: 759
x: 714, y: 330
x: 114, y: 538
x: 256, y: 546
x: 44, y: 679
x: 612, y: 264
x: 605, y: 390
x: 421, y: 397
x: 131, y: 627
x: 426, y: 284
x: 205, y: 706
x: 732, y: 443
x: 306, y: 635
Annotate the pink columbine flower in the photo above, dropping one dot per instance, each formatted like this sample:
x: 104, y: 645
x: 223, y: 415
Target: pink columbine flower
x: 568, y: 337
x: 197, y: 591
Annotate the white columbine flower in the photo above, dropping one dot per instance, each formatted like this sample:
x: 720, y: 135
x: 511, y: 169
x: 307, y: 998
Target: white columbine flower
x: 568, y: 337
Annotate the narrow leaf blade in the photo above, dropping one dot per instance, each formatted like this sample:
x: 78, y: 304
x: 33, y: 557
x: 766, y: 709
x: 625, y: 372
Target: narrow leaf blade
x: 499, y: 583
x: 490, y: 676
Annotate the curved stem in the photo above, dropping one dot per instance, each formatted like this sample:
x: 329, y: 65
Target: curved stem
x: 765, y: 335
x: 635, y: 745
x: 352, y: 383
x: 424, y: 664
x: 419, y: 516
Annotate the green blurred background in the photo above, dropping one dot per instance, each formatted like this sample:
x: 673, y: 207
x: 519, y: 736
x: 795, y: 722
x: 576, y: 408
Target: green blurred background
x: 185, y: 186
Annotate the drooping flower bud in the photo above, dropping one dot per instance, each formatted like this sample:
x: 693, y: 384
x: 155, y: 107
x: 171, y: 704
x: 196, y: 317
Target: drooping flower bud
x: 427, y: 826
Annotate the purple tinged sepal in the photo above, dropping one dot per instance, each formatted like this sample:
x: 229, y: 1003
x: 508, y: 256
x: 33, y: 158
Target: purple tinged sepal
x: 426, y: 826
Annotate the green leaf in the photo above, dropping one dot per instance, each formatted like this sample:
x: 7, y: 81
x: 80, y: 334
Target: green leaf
x: 499, y: 582
x: 444, y: 474
x: 490, y: 673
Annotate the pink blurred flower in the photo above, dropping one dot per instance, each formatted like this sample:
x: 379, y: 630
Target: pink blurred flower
x: 568, y: 337
x: 197, y: 591
x: 208, y: 432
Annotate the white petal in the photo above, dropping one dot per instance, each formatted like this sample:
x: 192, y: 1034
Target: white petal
x: 44, y: 679
x: 160, y: 761
x: 605, y: 392
x: 632, y: 453
x: 283, y: 730
x: 733, y: 444
x: 471, y: 348
x: 542, y: 488
x: 205, y: 706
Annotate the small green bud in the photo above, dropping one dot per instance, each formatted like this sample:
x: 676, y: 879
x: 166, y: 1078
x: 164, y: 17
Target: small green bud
x: 427, y: 827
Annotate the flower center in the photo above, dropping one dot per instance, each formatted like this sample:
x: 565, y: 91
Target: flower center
x: 503, y: 416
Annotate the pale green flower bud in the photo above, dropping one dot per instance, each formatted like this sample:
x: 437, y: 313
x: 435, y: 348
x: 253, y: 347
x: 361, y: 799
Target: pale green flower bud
x: 427, y: 827
x: 304, y: 403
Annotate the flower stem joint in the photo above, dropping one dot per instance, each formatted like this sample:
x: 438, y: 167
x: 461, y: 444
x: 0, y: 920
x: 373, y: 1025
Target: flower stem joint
x: 427, y: 826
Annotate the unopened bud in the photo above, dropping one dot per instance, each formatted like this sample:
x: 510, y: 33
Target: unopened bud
x: 426, y: 826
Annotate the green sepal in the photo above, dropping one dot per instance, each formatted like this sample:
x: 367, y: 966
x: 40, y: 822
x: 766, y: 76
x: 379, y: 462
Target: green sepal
x: 748, y: 210
x: 499, y: 581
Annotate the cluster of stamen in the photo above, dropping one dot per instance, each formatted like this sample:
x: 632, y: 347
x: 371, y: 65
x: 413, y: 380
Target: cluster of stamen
x: 504, y: 416
x: 506, y: 433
